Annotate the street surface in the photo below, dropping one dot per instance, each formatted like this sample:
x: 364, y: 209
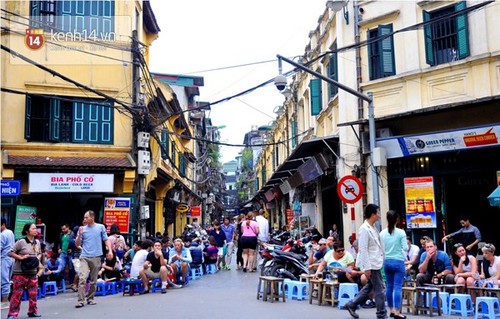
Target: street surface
x: 225, y: 295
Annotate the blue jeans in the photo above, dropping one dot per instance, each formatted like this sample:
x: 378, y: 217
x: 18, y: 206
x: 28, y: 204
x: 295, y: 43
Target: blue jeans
x: 7, y: 263
x: 394, y: 275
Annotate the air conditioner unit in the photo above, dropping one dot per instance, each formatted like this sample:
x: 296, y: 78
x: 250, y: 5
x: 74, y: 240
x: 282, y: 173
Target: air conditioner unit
x: 365, y: 138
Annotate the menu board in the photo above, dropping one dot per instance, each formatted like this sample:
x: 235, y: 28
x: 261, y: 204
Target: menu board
x: 420, y: 202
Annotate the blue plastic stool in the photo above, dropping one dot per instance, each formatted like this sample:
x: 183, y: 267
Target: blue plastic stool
x: 444, y: 296
x: 132, y: 286
x: 49, y: 288
x: 40, y: 295
x: 179, y: 281
x: 347, y: 292
x: 63, y: 286
x: 211, y: 268
x: 156, y: 285
x: 25, y: 295
x: 461, y: 304
x: 297, y: 289
x: 196, y: 272
x: 100, y: 288
x: 488, y: 307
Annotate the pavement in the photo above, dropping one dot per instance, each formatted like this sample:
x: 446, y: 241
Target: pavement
x: 227, y: 294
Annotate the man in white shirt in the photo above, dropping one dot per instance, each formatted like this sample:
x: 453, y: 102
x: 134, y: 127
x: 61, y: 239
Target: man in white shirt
x: 140, y: 258
x: 411, y: 257
x: 263, y: 236
x: 370, y: 259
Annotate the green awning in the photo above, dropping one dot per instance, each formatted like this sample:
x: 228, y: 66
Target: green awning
x: 494, y: 197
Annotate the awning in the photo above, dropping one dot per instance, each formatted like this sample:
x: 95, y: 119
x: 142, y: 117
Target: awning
x: 494, y: 197
x: 300, y: 155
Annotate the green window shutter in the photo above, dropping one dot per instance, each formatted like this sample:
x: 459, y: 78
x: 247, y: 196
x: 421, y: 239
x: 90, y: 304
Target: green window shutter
x: 333, y: 73
x: 386, y: 51
x: 294, y: 133
x: 93, y: 122
x: 315, y: 88
x: 174, y: 154
x: 79, y: 122
x: 55, y: 120
x: 106, y: 123
x: 164, y: 144
x: 429, y: 50
x: 462, y: 32
x: 27, y: 121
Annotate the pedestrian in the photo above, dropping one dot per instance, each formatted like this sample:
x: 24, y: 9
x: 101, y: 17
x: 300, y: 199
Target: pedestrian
x: 220, y: 238
x: 8, y: 240
x: 263, y: 236
x: 65, y: 251
x: 27, y: 268
x: 249, y: 231
x: 239, y: 250
x: 334, y: 232
x: 470, y: 235
x: 90, y: 237
x: 370, y: 260
x: 394, y: 240
x: 230, y: 232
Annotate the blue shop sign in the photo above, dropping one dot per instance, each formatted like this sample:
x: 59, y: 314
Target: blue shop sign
x: 11, y: 188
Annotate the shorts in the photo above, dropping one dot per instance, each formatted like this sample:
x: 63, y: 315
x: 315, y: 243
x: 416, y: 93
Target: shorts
x: 152, y: 275
x: 220, y: 252
x: 248, y: 242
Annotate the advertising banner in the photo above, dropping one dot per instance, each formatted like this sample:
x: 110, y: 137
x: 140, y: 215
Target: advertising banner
x: 420, y: 203
x: 195, y: 211
x: 117, y: 211
x: 24, y: 215
x: 56, y: 182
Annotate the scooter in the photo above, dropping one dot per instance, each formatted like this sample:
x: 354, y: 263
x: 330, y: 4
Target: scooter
x: 285, y: 265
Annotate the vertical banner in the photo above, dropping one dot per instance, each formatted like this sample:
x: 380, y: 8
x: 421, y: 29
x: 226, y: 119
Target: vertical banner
x: 289, y: 217
x: 420, y: 202
x: 117, y: 211
x: 24, y: 215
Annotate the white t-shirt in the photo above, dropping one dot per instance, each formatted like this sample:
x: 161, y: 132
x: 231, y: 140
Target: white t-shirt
x: 263, y: 228
x: 413, y: 251
x: 138, y: 263
x: 330, y: 260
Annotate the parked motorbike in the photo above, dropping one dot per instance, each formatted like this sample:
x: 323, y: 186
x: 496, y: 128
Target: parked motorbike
x: 279, y: 237
x: 289, y: 264
x: 266, y: 255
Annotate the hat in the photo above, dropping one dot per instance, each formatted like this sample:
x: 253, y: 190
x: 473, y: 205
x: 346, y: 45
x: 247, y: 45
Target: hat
x: 322, y: 241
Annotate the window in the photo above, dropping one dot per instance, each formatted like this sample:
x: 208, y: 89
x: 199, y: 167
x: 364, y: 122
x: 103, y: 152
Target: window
x: 182, y: 165
x: 316, y: 101
x: 333, y: 72
x: 68, y: 120
x: 447, y: 39
x: 294, y: 133
x: 164, y: 144
x: 83, y: 18
x: 381, y: 52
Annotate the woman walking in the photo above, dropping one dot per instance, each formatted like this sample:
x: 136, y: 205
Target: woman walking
x: 394, y: 240
x: 28, y: 267
x: 249, y: 231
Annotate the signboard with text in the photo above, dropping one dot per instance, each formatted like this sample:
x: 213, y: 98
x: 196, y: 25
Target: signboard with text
x: 24, y: 215
x: 56, y: 182
x: 195, y: 211
x: 420, y: 203
x: 11, y: 187
x: 117, y: 211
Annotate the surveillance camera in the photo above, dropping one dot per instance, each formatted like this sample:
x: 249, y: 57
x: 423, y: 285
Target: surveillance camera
x: 361, y: 10
x: 280, y: 82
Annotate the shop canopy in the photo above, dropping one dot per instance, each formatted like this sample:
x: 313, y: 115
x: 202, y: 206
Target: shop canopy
x: 494, y: 197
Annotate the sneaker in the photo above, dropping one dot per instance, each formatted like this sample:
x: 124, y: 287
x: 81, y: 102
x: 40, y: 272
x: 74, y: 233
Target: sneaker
x: 163, y: 290
x: 352, y: 310
x: 228, y: 268
x: 145, y: 291
x: 5, y: 305
x: 175, y: 286
x: 369, y: 304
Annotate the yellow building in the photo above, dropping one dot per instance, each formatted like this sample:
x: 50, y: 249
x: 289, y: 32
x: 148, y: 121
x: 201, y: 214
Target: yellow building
x: 67, y: 112
x: 432, y: 68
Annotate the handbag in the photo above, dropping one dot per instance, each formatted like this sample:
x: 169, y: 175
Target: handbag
x: 29, y: 264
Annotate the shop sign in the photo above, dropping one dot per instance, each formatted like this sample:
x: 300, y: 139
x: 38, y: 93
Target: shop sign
x: 420, y: 203
x: 11, y: 187
x: 24, y: 215
x: 195, y: 211
x: 117, y: 211
x: 81, y: 183
x: 470, y: 138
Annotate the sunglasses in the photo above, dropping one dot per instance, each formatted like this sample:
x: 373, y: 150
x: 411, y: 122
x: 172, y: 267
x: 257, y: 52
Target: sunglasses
x: 340, y: 250
x: 458, y: 245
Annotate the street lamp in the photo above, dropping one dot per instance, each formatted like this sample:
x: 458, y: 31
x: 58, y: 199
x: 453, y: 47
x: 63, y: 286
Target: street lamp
x: 371, y: 114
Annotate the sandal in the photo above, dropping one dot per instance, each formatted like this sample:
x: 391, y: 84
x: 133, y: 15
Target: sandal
x: 79, y: 305
x: 91, y: 302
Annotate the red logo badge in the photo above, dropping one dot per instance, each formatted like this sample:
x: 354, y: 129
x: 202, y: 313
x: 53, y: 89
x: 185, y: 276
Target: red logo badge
x: 34, y: 39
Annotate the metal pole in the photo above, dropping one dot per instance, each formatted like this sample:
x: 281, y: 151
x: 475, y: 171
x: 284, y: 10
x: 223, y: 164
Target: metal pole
x: 372, y: 135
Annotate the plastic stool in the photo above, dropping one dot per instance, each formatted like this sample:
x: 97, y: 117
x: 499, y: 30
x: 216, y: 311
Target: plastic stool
x: 100, y: 288
x: 347, y: 292
x: 461, y: 304
x: 132, y: 286
x: 211, y: 268
x: 49, y: 288
x: 489, y: 303
x: 25, y: 295
x: 40, y: 295
x: 444, y: 296
x: 297, y: 289
x: 156, y: 285
x: 196, y: 272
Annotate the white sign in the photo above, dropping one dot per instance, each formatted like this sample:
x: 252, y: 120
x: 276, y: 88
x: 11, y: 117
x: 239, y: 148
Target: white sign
x: 484, y: 136
x: 64, y: 183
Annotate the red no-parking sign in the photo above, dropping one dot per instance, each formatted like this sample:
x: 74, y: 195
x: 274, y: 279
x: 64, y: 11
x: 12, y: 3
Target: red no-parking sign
x: 350, y: 189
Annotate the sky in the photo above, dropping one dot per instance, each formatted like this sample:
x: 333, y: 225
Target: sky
x: 208, y: 38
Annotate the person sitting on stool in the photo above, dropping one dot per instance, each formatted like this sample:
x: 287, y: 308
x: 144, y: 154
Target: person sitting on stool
x: 434, y: 261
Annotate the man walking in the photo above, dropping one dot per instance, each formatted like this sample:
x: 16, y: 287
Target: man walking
x: 263, y: 236
x: 229, y: 230
x: 8, y: 241
x: 65, y: 252
x: 370, y: 259
x: 90, y: 238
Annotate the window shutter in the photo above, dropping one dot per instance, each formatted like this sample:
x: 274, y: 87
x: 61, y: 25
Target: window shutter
x: 79, y: 122
x: 429, y: 50
x: 164, y: 144
x: 294, y: 133
x: 27, y: 121
x: 93, y: 122
x: 106, y: 134
x: 462, y: 32
x: 55, y: 120
x: 386, y: 51
x: 315, y: 88
x: 370, y: 54
x: 333, y: 73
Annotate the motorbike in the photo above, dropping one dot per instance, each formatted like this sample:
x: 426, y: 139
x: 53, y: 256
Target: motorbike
x: 265, y: 253
x: 289, y: 264
x: 279, y: 237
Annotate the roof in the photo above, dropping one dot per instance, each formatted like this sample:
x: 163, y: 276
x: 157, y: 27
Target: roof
x: 69, y: 162
x: 149, y: 20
